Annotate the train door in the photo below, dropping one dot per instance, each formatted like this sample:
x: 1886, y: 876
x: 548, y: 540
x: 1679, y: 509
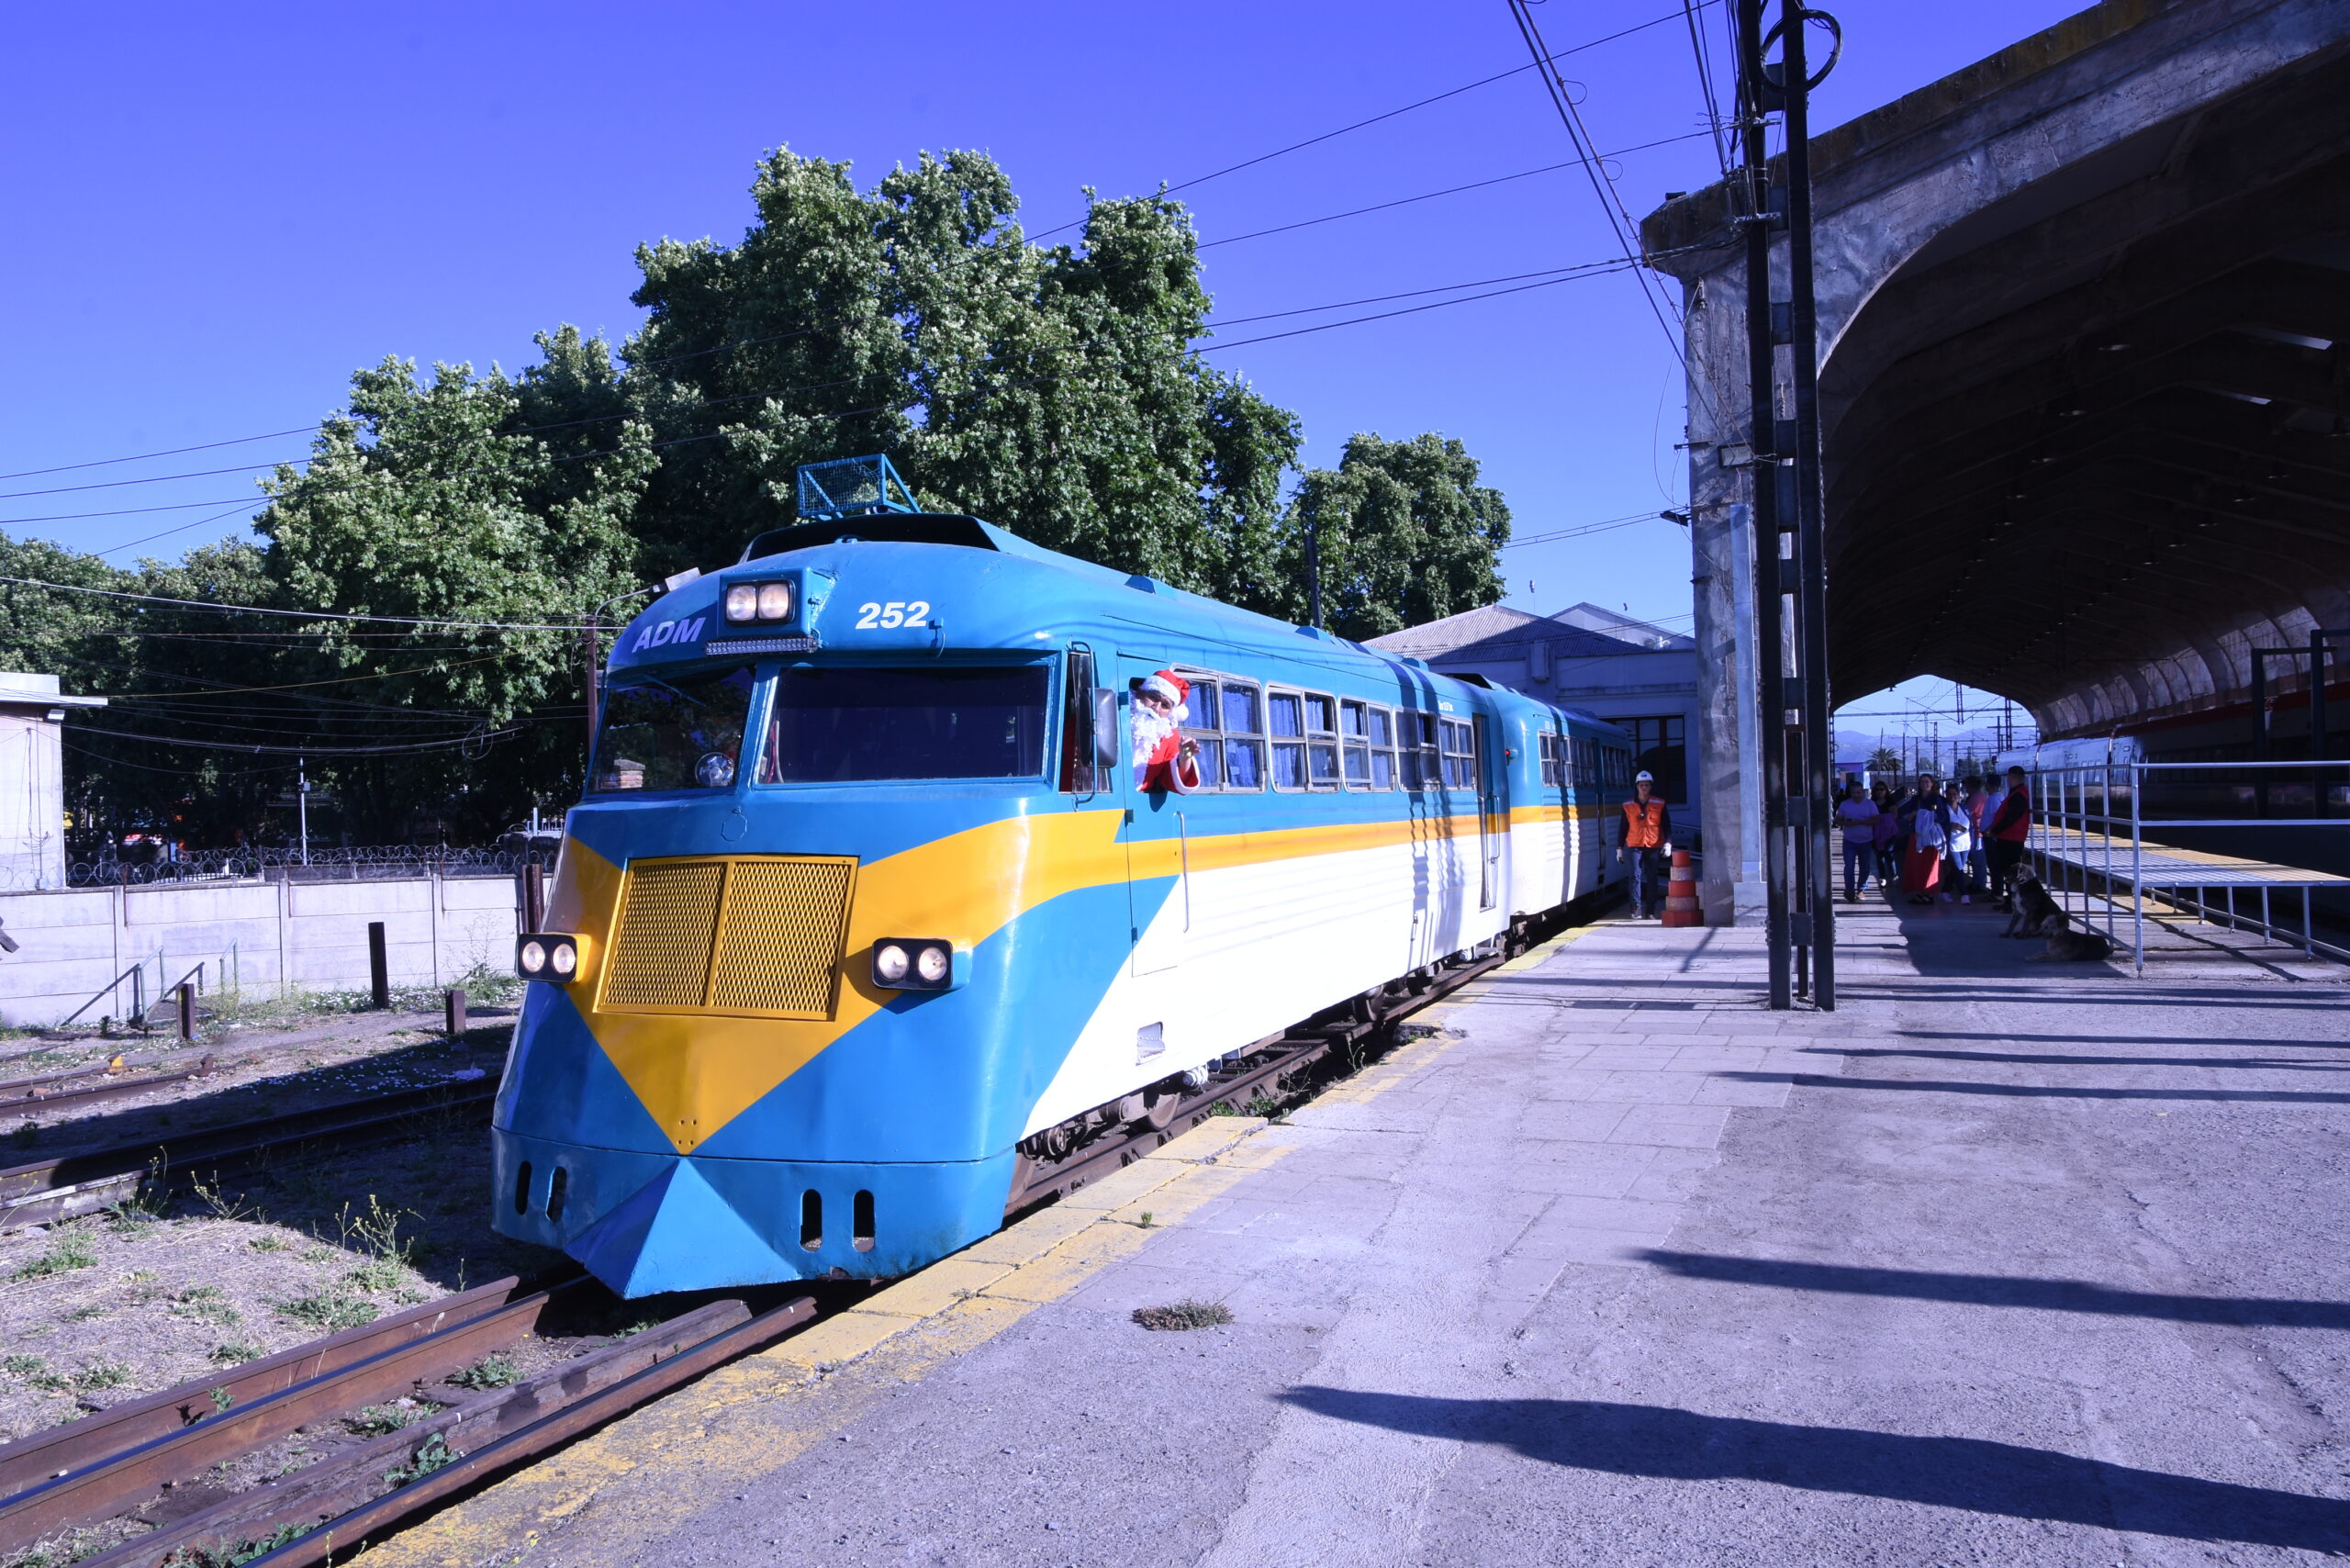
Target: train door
x: 1493, y: 796
x: 1157, y: 890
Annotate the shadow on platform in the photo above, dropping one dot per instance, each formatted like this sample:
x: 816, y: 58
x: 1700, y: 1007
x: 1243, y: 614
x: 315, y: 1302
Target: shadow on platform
x: 1967, y: 1473
x: 1999, y: 1290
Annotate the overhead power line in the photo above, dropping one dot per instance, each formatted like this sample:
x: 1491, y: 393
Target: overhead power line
x: 1449, y: 190
x: 380, y: 481
x: 1589, y: 527
x: 1619, y: 221
x: 217, y: 607
x: 1390, y: 113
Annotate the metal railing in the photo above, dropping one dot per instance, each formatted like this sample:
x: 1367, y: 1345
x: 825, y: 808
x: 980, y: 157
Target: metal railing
x: 2091, y: 826
x: 353, y: 863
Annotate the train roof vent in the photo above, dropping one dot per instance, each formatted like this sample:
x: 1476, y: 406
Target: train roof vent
x: 1470, y: 678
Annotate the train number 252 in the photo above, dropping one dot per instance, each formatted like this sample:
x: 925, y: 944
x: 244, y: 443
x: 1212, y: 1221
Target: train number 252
x: 897, y: 612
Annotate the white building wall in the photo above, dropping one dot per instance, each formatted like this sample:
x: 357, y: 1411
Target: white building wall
x: 260, y: 939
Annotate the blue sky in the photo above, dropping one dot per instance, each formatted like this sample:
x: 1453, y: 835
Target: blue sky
x: 220, y: 212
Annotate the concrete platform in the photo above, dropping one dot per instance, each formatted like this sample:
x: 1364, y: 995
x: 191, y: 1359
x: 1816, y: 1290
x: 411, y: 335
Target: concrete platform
x: 2001, y: 1263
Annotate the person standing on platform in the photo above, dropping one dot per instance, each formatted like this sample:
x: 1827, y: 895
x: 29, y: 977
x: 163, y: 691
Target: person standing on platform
x: 1958, y: 852
x: 1925, y: 832
x: 2009, y: 827
x: 1647, y: 838
x: 1856, y: 814
x: 1978, y: 808
x: 1888, y: 834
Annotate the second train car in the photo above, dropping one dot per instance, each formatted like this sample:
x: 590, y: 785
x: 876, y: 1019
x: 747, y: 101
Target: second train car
x: 877, y: 884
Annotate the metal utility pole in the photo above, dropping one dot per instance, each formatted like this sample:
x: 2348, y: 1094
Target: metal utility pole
x: 1788, y: 507
x: 1312, y: 574
x: 302, y: 804
x: 588, y: 662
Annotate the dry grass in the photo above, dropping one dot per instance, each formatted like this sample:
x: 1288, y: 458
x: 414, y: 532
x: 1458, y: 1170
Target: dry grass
x: 1185, y: 1313
x: 153, y: 1295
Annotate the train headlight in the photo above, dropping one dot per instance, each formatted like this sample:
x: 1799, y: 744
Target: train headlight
x: 743, y: 602
x: 775, y: 601
x: 917, y: 963
x: 547, y: 955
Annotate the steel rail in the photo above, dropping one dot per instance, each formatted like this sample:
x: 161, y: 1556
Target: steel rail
x: 55, y: 1092
x: 46, y: 1455
x: 447, y: 1339
x: 1036, y: 1180
x: 370, y: 1520
x: 334, y: 1502
x: 51, y: 1190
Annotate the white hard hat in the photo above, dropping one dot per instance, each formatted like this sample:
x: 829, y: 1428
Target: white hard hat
x: 1644, y: 777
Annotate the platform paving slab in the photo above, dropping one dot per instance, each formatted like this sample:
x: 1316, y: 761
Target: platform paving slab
x: 2000, y: 1263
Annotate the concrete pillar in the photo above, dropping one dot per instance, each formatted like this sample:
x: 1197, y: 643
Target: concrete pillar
x: 1729, y: 783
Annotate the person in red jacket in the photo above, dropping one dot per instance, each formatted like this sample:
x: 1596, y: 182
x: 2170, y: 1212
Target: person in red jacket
x: 1164, y: 758
x: 2007, y: 830
x: 1647, y: 838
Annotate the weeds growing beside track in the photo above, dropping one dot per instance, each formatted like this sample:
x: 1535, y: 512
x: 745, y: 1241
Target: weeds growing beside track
x: 1184, y: 1315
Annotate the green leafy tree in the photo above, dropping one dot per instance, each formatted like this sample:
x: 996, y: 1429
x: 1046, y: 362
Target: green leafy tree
x: 1051, y: 390
x: 419, y: 504
x: 1885, y: 760
x: 1405, y: 534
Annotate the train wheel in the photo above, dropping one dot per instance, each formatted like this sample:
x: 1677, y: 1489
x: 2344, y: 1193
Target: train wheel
x: 1156, y: 1111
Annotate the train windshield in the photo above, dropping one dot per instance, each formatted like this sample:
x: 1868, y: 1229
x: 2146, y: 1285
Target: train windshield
x: 844, y: 725
x: 672, y: 734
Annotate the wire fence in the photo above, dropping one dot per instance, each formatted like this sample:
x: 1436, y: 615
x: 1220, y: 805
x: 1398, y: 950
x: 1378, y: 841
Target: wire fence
x: 340, y: 863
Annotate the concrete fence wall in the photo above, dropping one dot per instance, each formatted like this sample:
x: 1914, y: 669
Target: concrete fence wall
x: 259, y: 939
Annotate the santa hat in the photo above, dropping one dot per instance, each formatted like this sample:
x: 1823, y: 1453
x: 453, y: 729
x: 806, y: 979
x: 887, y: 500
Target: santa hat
x: 1169, y: 688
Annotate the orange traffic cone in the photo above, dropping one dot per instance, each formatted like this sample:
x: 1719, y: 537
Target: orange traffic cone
x: 1681, y: 894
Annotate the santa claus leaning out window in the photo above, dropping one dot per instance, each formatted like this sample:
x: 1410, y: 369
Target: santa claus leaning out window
x: 1164, y: 758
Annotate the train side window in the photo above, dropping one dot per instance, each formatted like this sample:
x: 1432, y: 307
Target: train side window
x: 1423, y: 764
x: 1204, y: 723
x: 1382, y: 747
x: 1286, y: 722
x: 1354, y: 737
x: 1322, y: 741
x: 1549, y: 745
x: 1460, y: 755
x: 1244, y: 747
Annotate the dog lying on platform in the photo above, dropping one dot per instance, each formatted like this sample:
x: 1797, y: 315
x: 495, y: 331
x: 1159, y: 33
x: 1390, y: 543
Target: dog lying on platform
x: 2031, y: 908
x: 2066, y: 946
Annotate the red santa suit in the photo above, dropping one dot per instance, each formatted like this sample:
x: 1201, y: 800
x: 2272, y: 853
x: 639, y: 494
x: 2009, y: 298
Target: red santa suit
x: 1159, y: 762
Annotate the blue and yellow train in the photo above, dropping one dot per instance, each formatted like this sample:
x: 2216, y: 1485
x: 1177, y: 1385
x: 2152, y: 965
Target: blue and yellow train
x: 869, y: 893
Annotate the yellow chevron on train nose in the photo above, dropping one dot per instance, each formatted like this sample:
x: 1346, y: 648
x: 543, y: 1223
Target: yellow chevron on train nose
x: 700, y: 1038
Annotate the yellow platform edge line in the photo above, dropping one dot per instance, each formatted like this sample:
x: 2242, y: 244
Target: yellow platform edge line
x: 687, y: 1451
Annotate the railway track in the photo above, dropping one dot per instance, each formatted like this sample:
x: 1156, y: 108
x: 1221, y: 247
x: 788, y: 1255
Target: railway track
x: 47, y: 1191
x: 1266, y: 1069
x: 146, y: 1458
x: 83, y: 1086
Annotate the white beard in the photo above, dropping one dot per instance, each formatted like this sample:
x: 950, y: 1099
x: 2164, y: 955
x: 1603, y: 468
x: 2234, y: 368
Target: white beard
x: 1150, y: 730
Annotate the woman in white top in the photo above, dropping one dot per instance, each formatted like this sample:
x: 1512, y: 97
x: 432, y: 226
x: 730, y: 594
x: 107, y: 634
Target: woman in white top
x: 1959, y: 843
x: 1927, y: 825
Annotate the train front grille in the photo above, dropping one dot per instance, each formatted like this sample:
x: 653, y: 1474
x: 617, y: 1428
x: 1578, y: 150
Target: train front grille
x: 757, y: 936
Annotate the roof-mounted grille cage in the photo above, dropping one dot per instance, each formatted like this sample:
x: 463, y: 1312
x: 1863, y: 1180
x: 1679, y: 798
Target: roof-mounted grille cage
x: 852, y: 486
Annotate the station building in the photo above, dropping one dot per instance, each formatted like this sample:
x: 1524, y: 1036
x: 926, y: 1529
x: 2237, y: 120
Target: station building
x: 1629, y: 672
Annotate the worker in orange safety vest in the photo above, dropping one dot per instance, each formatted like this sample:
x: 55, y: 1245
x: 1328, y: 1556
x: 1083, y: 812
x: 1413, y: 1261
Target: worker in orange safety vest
x: 1647, y: 838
